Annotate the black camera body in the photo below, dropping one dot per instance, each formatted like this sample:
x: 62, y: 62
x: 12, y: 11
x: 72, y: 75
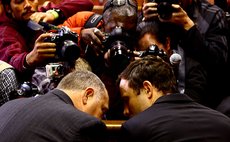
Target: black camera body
x: 154, y: 50
x: 120, y: 44
x: 26, y: 89
x: 66, y: 44
x: 164, y: 8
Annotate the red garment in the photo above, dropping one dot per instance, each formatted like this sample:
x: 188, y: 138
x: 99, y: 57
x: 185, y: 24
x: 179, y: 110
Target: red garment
x: 15, y: 39
x: 78, y: 20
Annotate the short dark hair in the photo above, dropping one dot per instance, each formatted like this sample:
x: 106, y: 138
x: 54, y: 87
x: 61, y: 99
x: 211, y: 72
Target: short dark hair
x: 151, y: 68
x: 154, y: 28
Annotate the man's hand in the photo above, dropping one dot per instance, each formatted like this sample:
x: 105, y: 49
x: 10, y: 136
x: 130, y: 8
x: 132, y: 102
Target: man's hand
x: 179, y: 16
x: 43, y: 17
x: 42, y: 51
x: 93, y: 37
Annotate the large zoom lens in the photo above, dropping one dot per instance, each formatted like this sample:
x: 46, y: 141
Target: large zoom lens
x: 119, y: 56
x: 119, y: 42
x: 69, y: 51
x: 66, y: 44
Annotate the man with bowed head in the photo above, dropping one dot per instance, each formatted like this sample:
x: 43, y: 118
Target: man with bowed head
x: 71, y: 112
x: 159, y: 113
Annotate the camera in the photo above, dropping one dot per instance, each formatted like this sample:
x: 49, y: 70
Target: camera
x: 66, y: 44
x: 65, y: 40
x: 164, y: 8
x: 154, y: 50
x: 120, y: 44
x: 55, y: 71
x: 26, y: 89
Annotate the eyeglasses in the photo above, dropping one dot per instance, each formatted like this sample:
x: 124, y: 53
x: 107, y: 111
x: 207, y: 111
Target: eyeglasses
x: 119, y: 3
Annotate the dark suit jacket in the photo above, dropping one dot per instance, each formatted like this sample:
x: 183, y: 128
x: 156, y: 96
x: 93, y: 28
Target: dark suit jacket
x: 195, y: 80
x: 46, y: 118
x: 176, y: 118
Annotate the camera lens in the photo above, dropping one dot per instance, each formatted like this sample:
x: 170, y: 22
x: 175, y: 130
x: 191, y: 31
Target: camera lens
x: 119, y: 56
x: 69, y: 51
x: 165, y: 10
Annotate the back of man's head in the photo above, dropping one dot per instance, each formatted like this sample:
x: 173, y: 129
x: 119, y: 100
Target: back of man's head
x: 80, y: 80
x: 152, y: 69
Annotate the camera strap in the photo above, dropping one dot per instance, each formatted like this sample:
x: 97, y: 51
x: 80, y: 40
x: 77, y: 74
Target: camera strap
x: 93, y: 20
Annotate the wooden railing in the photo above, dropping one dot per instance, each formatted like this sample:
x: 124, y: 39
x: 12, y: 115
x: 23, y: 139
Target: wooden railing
x: 113, y: 127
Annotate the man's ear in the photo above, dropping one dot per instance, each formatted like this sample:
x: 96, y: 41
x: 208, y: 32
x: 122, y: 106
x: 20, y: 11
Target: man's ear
x: 148, y: 88
x: 88, y: 94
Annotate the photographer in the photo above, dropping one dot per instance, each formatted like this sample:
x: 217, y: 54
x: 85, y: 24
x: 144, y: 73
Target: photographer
x: 24, y: 48
x: 200, y: 30
x: 154, y: 39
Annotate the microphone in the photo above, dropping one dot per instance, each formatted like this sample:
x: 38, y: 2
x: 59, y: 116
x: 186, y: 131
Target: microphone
x: 175, y: 59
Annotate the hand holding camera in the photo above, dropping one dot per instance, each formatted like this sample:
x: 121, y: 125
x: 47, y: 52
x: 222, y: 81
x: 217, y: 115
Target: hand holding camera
x: 42, y: 51
x: 59, y: 45
x: 167, y: 11
x: 66, y: 44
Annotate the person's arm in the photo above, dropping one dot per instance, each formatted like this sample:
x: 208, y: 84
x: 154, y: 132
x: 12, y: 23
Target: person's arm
x: 208, y: 42
x: 16, y: 50
x: 69, y: 7
x: 13, y: 48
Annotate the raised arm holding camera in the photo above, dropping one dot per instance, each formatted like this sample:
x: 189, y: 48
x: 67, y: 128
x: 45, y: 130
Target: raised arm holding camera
x: 200, y: 30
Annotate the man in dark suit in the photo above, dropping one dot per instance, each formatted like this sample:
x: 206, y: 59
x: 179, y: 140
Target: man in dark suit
x: 148, y: 88
x: 65, y: 114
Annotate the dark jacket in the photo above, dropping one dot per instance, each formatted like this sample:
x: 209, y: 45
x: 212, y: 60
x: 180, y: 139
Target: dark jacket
x: 174, y: 118
x: 45, y: 118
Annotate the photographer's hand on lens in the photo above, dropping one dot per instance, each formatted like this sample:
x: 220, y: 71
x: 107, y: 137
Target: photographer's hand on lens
x: 93, y: 37
x: 42, y: 51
